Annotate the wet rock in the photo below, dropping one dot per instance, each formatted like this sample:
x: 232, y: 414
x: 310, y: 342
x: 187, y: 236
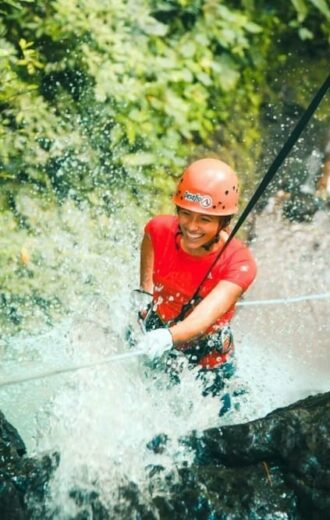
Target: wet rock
x: 295, y: 440
x: 228, y: 493
x: 23, y: 480
x: 301, y: 207
x: 274, y: 467
x: 10, y: 438
x: 89, y: 504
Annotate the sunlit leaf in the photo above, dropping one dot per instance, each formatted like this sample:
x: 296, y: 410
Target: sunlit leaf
x: 305, y: 34
x: 188, y: 49
x: 301, y: 8
x: 322, y: 6
x: 253, y: 27
x: 138, y: 159
x: 153, y: 28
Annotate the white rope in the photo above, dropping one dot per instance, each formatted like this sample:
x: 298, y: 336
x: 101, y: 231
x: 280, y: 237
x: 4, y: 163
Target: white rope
x: 134, y: 353
x: 63, y: 370
x: 294, y: 299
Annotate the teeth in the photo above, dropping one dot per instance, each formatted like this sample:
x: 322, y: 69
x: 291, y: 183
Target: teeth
x: 189, y: 235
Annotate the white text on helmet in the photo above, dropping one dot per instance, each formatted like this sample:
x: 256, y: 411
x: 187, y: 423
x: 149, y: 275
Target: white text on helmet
x: 205, y: 201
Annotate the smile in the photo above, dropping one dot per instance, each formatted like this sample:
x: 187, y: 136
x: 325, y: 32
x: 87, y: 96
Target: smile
x: 193, y: 236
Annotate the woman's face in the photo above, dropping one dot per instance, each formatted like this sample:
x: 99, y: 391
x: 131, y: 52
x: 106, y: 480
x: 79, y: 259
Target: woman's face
x: 197, y: 230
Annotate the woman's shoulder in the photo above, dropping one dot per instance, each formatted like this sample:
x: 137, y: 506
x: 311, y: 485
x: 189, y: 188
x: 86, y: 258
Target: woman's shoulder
x: 162, y: 223
x: 239, y: 250
x: 239, y: 265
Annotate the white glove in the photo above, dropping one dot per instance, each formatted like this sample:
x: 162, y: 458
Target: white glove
x: 155, y: 343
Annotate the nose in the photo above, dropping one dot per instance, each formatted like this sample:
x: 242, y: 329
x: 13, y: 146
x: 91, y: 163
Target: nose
x: 192, y: 223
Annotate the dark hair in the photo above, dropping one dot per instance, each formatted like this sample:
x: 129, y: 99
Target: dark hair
x: 225, y: 220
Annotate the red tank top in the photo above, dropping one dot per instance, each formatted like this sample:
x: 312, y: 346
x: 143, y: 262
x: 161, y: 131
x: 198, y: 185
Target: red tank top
x: 177, y: 274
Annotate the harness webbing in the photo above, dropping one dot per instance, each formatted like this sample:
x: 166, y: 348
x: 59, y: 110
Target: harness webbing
x: 279, y: 159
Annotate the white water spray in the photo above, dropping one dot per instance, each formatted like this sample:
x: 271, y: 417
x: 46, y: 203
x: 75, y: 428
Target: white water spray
x: 101, y: 417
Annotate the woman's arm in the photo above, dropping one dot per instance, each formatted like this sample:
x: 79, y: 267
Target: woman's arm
x: 207, y: 312
x: 146, y: 264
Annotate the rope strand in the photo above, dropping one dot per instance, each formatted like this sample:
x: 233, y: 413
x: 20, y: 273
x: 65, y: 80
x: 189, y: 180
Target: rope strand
x: 136, y: 353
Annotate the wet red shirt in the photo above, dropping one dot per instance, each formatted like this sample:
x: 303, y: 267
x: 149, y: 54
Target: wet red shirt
x: 177, y: 274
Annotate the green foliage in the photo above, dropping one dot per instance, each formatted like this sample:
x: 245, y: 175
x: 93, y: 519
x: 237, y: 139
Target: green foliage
x: 98, y: 94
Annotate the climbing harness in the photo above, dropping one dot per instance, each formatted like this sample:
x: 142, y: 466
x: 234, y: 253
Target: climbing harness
x: 279, y: 159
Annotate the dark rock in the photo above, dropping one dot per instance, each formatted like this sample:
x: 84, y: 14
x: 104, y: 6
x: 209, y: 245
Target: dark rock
x: 301, y: 207
x: 23, y: 480
x: 158, y: 443
x: 228, y: 493
x: 11, y: 502
x: 295, y: 438
x: 274, y: 467
x: 10, y: 438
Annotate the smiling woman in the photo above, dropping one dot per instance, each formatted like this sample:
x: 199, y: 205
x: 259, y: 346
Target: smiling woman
x: 176, y: 254
x: 199, y: 231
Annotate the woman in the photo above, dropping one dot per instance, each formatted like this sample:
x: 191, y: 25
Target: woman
x: 179, y: 254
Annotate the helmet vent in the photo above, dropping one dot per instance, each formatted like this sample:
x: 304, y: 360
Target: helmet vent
x: 226, y: 192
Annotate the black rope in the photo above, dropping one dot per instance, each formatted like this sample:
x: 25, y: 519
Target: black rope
x: 279, y: 159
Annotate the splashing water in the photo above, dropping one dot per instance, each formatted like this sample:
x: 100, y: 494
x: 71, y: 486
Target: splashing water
x: 101, y: 418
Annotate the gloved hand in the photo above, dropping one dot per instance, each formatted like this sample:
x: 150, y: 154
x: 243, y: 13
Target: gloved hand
x: 155, y: 342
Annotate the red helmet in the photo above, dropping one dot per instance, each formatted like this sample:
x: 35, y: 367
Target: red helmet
x: 208, y: 186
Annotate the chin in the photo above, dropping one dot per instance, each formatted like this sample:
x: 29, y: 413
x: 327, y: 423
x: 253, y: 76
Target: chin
x: 194, y: 245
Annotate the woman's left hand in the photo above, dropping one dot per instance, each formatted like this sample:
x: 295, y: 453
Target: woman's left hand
x: 155, y: 342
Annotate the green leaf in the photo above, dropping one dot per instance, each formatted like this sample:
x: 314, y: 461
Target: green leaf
x: 322, y: 6
x: 305, y: 34
x: 152, y: 27
x: 139, y: 159
x: 301, y: 8
x: 253, y: 28
x: 188, y: 49
x: 204, y: 79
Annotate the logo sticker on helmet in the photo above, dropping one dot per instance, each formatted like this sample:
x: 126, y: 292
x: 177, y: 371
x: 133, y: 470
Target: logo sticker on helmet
x: 205, y: 201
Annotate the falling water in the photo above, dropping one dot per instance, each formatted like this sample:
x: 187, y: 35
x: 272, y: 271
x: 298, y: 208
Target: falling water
x: 99, y: 415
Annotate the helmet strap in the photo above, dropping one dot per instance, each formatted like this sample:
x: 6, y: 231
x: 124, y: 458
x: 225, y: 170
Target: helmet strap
x: 213, y: 240
x: 223, y: 223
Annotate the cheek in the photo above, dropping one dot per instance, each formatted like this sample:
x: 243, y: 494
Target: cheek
x: 211, y: 228
x: 181, y: 220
